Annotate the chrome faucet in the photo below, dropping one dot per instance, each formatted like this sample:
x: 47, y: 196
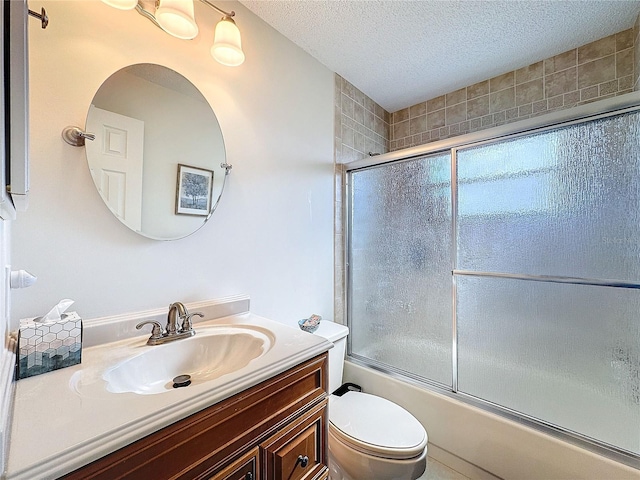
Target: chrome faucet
x: 177, y: 311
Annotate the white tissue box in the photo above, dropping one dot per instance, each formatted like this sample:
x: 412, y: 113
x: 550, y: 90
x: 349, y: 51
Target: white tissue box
x: 47, y: 346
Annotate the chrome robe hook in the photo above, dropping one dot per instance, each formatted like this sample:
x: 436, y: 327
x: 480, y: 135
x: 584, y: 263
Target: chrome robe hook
x: 76, y: 137
x: 42, y: 16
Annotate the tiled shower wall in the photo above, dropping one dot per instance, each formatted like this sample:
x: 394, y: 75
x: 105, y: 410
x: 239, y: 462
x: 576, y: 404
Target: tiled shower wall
x: 598, y: 70
x: 361, y: 127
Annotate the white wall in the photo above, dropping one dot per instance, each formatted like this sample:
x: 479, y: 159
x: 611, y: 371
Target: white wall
x: 7, y: 357
x: 271, y: 236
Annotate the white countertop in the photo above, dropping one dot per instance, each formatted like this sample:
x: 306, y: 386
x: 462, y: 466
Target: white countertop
x: 57, y: 429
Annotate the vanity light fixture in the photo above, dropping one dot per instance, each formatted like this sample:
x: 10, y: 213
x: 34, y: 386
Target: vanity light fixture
x: 176, y: 17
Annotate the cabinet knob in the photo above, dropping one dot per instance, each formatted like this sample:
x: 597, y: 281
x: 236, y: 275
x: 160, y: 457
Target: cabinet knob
x: 248, y: 476
x: 303, y: 460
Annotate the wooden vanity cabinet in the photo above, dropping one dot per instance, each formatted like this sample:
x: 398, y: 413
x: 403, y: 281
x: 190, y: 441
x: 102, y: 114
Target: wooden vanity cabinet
x: 272, y: 431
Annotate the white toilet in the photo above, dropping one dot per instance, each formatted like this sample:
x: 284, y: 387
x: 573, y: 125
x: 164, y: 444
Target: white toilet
x: 370, y: 438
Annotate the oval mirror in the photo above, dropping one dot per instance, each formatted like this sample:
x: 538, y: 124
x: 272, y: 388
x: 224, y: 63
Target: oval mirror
x: 158, y: 159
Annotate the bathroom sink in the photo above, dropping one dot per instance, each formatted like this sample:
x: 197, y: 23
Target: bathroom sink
x: 213, y: 352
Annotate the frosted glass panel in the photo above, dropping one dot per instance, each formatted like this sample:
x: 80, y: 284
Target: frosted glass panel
x: 567, y: 354
x: 564, y: 202
x: 400, y: 266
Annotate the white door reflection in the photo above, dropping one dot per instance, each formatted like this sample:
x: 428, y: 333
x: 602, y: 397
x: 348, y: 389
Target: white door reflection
x: 117, y: 163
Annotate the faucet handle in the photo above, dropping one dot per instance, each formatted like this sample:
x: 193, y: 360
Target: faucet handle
x: 156, y: 331
x: 186, y: 321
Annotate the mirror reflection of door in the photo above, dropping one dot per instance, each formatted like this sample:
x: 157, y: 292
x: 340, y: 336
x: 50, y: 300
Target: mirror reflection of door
x: 117, y: 163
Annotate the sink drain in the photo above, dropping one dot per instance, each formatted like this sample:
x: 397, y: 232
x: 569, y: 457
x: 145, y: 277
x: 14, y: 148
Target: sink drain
x: 182, y: 381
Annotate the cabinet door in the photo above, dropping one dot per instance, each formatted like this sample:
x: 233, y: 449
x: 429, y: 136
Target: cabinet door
x: 244, y: 468
x: 298, y: 452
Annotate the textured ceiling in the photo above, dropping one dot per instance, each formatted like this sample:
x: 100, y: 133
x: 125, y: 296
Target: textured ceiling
x: 400, y: 53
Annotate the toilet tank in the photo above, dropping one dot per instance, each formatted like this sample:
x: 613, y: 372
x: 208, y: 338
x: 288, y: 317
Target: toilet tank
x: 336, y: 334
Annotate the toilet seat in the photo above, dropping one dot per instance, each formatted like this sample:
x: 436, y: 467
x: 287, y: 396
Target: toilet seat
x: 376, y: 426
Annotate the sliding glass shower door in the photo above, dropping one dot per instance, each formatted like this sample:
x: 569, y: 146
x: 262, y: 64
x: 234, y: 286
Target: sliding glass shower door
x: 400, y: 266
x: 508, y: 272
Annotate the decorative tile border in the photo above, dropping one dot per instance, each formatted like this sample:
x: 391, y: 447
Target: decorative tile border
x: 598, y: 70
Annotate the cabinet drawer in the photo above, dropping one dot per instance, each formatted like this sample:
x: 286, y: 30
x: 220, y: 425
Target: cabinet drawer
x: 244, y: 468
x: 299, y: 451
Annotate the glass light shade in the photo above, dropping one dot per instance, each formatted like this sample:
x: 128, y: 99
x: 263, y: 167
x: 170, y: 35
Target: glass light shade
x: 227, y: 44
x: 122, y: 4
x: 176, y: 17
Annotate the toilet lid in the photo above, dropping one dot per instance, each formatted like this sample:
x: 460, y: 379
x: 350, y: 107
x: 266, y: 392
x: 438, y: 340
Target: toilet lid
x: 376, y: 426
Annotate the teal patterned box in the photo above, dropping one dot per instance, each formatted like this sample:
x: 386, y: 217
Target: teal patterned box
x: 47, y: 346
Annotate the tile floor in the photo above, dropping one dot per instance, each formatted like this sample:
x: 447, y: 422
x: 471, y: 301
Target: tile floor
x: 439, y: 471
